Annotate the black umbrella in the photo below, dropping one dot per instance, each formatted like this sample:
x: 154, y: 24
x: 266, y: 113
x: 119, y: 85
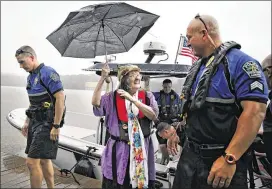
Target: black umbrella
x: 101, y: 29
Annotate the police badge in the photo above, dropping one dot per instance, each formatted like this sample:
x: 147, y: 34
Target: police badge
x: 36, y: 81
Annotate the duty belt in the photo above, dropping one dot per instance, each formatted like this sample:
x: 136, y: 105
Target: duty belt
x: 206, y: 150
x: 40, y: 113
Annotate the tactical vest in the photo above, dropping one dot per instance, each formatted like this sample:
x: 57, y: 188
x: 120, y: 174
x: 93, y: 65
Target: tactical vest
x: 122, y: 115
x: 192, y: 103
x: 168, y: 111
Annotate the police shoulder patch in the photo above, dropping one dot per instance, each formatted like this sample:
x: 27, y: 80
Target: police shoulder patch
x: 54, y: 76
x: 256, y: 85
x: 252, y: 69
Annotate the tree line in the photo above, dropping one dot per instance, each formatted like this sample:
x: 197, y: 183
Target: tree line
x: 69, y: 81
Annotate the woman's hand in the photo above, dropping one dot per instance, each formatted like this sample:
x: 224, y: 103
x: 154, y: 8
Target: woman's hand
x: 126, y: 95
x: 105, y: 72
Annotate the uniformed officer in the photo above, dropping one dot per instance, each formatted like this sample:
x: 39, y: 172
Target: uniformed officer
x: 167, y: 131
x: 44, y: 116
x: 226, y: 96
x: 169, y: 111
x: 267, y: 123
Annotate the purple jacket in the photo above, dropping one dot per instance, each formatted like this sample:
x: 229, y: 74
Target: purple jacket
x: 122, y: 150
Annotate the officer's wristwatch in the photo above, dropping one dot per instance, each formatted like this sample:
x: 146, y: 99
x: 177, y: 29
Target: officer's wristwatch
x: 230, y: 158
x: 56, y: 126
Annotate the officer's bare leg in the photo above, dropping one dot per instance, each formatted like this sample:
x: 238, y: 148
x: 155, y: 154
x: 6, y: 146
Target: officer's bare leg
x: 35, y: 170
x: 48, y: 172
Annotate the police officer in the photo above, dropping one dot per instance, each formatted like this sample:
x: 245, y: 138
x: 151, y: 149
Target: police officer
x: 267, y: 123
x: 226, y: 96
x: 44, y: 116
x: 169, y: 112
x: 167, y: 131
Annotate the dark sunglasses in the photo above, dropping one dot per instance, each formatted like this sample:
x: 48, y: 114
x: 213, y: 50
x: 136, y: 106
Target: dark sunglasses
x: 199, y: 17
x: 20, y: 51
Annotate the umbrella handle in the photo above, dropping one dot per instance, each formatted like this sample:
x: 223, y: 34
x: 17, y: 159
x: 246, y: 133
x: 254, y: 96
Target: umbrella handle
x: 107, y: 79
x: 108, y: 88
x: 108, y: 84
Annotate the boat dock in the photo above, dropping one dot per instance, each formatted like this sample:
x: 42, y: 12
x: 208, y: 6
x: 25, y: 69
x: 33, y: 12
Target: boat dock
x: 15, y: 174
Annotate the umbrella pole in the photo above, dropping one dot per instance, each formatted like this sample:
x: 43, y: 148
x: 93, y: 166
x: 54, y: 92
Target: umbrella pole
x: 108, y: 78
x: 104, y: 41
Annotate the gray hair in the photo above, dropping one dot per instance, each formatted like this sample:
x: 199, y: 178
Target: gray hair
x: 163, y: 126
x: 212, y: 25
x: 26, y: 51
x: 267, y: 65
x: 267, y: 61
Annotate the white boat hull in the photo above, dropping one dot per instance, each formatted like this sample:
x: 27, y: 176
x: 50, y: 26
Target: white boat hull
x: 72, y: 147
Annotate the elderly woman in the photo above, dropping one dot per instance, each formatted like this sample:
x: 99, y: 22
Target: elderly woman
x: 129, y: 112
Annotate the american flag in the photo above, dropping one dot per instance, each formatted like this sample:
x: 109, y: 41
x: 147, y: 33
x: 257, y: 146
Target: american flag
x: 184, y: 50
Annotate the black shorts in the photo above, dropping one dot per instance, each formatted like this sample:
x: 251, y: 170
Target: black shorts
x: 39, y: 144
x: 192, y: 171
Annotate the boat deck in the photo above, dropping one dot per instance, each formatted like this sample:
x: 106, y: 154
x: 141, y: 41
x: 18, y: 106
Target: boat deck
x: 15, y: 174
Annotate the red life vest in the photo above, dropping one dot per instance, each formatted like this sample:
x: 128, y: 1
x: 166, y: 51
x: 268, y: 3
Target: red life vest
x: 121, y: 106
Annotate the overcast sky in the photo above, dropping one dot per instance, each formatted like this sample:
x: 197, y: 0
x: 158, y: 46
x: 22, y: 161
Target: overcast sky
x: 29, y: 23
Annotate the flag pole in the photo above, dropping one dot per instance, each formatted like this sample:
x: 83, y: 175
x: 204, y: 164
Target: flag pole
x: 178, y: 48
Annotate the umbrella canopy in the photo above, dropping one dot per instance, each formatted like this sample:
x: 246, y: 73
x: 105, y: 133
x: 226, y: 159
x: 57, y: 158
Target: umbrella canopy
x: 101, y: 29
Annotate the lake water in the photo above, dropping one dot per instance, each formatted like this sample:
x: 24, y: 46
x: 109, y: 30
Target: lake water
x: 79, y: 113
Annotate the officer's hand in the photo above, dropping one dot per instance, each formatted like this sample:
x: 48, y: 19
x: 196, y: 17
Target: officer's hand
x: 54, y: 134
x: 221, y: 173
x: 177, y: 125
x: 172, y: 145
x: 25, y: 129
